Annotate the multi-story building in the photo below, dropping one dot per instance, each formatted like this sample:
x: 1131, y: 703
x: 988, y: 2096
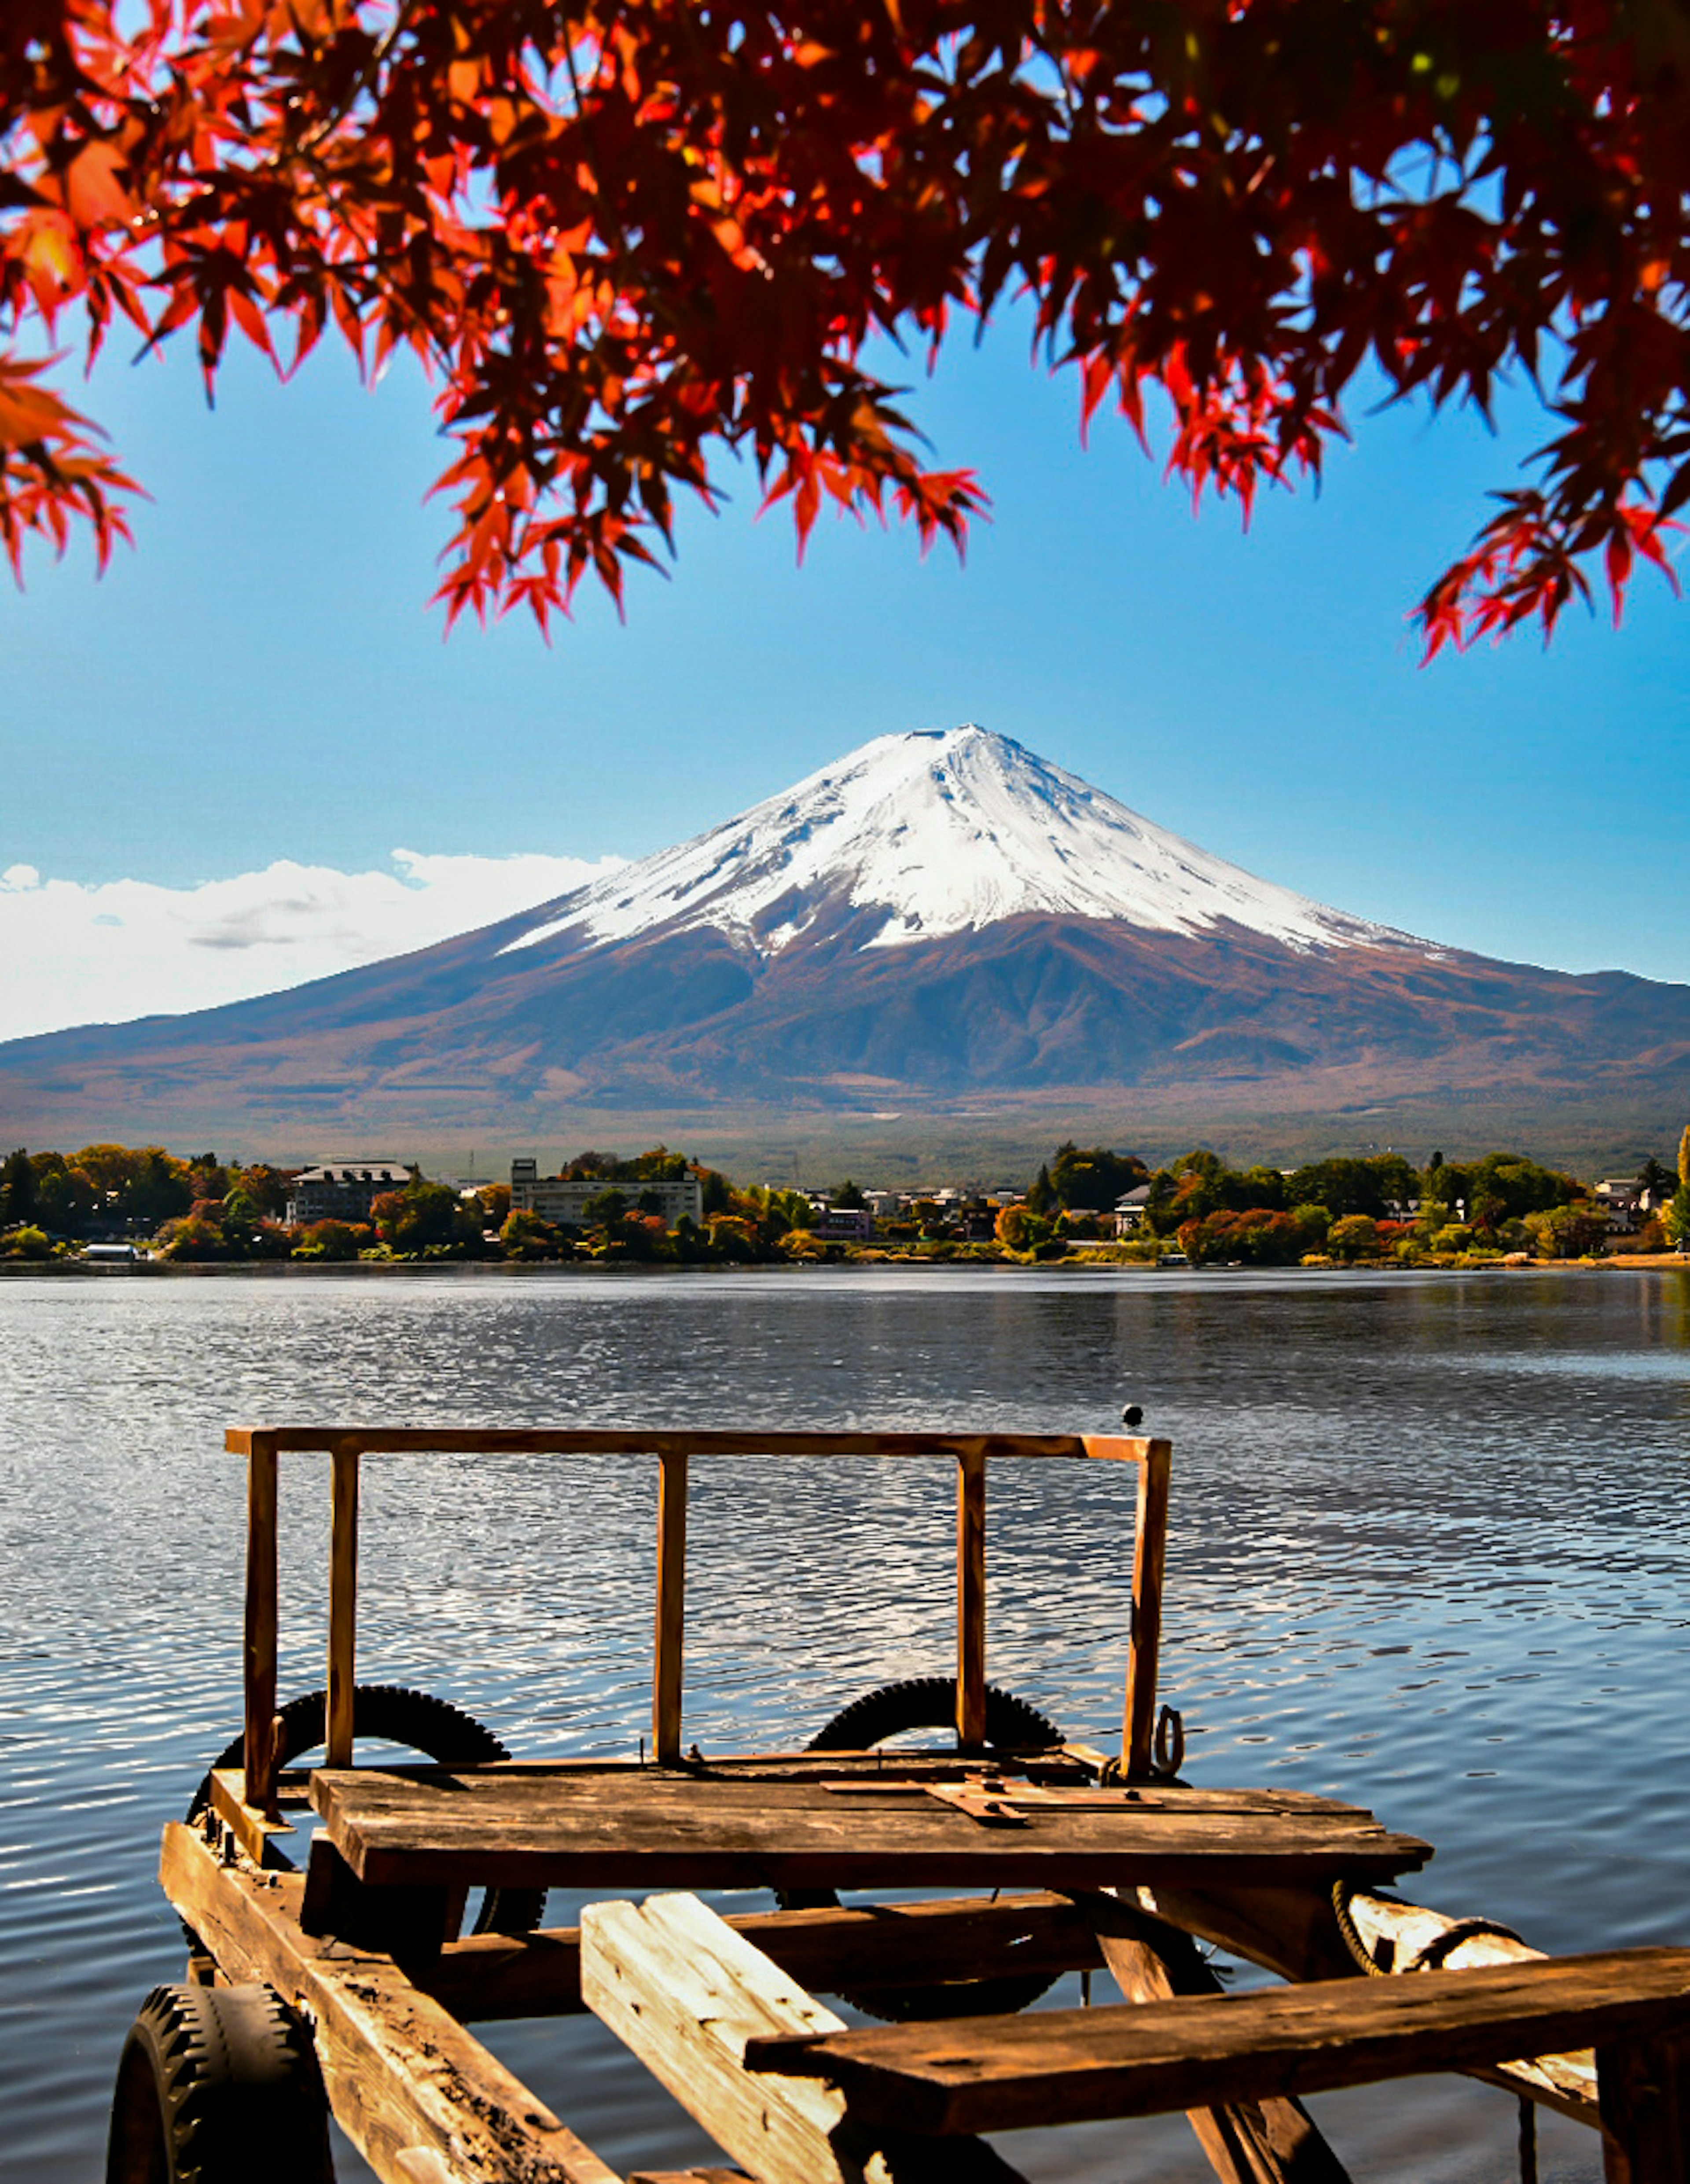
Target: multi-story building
x: 563, y: 1199
x: 343, y: 1190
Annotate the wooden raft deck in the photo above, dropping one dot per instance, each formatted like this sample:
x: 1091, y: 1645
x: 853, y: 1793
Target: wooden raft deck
x: 519, y: 1825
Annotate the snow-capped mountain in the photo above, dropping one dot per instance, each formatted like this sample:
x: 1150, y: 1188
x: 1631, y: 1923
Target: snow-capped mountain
x: 935, y: 919
x: 938, y: 832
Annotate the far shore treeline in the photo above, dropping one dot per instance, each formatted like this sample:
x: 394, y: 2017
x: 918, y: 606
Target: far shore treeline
x: 1087, y: 1204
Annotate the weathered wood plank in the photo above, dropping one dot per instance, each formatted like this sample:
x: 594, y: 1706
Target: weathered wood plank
x: 419, y: 2095
x: 747, y: 1440
x: 986, y: 2074
x: 1291, y: 1931
x: 1272, y: 2140
x: 343, y: 1604
x: 972, y: 1602
x: 1149, y: 1569
x: 671, y: 1607
x: 686, y: 1993
x: 258, y: 1751
x: 525, y: 1828
x: 1646, y: 2110
x: 858, y: 1949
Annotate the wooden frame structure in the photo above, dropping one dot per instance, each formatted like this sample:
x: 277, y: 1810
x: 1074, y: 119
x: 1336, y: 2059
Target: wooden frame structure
x: 1121, y: 1866
x: 346, y: 1447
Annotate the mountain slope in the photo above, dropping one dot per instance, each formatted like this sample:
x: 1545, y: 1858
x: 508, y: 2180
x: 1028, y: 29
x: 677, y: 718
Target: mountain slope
x: 936, y: 917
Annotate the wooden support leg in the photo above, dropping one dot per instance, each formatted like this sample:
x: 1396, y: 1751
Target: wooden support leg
x: 972, y: 1602
x: 1645, y: 2098
x: 1267, y: 2141
x: 1149, y: 1564
x: 686, y: 1993
x: 258, y: 1751
x: 671, y: 1607
x: 421, y: 2099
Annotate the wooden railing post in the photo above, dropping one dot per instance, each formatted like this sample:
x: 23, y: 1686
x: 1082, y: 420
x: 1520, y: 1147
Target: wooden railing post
x: 971, y: 1601
x: 257, y: 1757
x: 342, y: 1603
x: 671, y: 1607
x: 1643, y: 2087
x: 1149, y: 1561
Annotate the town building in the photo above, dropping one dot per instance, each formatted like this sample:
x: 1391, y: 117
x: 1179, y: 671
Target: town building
x: 342, y: 1191
x: 843, y: 1224
x: 563, y: 1199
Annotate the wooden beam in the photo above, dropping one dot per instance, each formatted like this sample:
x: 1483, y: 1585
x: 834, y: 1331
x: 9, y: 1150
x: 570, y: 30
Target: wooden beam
x: 1291, y: 1931
x: 1149, y: 1563
x: 999, y: 2074
x: 1646, y: 2110
x: 686, y: 1993
x: 536, y: 1827
x: 251, y: 1829
x: 672, y: 1609
x: 420, y: 2097
x: 972, y: 1602
x: 859, y: 1948
x: 342, y: 1603
x: 258, y: 1751
x: 1272, y: 2140
x: 750, y: 1440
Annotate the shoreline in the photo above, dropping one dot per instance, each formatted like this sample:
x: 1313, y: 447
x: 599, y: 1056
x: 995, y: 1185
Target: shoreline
x: 529, y: 1270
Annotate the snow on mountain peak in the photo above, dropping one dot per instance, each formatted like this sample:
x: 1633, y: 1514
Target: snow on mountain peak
x: 943, y: 831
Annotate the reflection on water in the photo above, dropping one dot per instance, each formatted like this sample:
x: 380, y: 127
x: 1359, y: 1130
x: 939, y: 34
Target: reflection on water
x: 1429, y: 1552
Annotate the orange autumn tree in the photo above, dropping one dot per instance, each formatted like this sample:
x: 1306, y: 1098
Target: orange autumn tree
x: 630, y: 240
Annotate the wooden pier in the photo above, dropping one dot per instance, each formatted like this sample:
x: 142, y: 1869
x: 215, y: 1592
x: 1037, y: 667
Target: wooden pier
x: 355, y: 1969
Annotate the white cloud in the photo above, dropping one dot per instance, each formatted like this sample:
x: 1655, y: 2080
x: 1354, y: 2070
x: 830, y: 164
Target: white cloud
x: 106, y: 954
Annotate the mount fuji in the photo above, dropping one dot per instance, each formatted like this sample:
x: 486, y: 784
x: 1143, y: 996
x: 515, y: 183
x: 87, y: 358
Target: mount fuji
x: 939, y: 916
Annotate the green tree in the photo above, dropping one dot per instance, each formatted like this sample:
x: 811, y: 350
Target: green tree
x: 18, y: 1189
x: 1356, y: 1236
x: 1042, y: 1199
x: 1092, y: 1178
x: 847, y: 1195
x: 422, y: 1215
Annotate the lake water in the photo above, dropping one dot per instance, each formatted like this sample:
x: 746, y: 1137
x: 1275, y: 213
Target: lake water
x: 1430, y: 1551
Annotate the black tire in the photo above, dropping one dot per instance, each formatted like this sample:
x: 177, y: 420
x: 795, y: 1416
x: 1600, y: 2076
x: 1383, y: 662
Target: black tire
x: 894, y: 1710
x: 392, y: 1714
x: 930, y: 1702
x: 219, y: 2085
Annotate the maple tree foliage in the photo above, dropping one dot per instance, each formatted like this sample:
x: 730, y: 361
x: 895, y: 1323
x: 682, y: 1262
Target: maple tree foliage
x: 629, y: 239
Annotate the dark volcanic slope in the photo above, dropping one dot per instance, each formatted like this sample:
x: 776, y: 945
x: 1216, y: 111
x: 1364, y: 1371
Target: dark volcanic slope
x: 934, y: 917
x: 1029, y: 1004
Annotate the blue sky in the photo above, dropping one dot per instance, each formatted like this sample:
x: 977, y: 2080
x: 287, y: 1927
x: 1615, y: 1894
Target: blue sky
x: 262, y: 679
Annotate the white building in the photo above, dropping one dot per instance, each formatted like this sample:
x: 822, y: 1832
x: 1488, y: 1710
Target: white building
x: 563, y: 1199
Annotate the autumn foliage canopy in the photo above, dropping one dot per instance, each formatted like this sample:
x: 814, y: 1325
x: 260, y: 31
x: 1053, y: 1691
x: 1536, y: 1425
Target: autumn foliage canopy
x: 629, y: 239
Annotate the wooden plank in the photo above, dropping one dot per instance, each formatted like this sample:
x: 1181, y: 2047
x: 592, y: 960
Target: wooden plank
x: 858, y: 1949
x: 420, y: 2097
x: 671, y: 1607
x: 1144, y: 1640
x: 685, y: 1994
x: 972, y: 1602
x: 342, y: 1603
x: 997, y: 2073
x: 258, y: 1751
x: 516, y: 1828
x: 1291, y: 1931
x: 1646, y: 2110
x: 251, y: 1829
x: 1272, y: 2140
x: 748, y: 1441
